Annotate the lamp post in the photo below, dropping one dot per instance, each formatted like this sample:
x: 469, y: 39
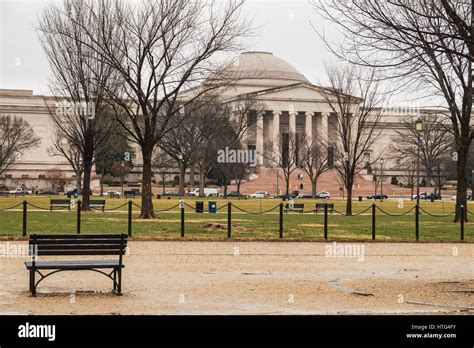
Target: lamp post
x: 381, y: 178
x: 418, y: 129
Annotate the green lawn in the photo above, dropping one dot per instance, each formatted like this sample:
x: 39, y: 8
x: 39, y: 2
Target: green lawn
x: 245, y: 226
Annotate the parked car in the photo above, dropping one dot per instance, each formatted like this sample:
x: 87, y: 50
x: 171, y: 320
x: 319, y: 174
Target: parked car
x: 20, y: 191
x: 453, y: 198
x: 208, y: 192
x: 289, y: 196
x: 260, y: 194
x: 48, y: 192
x: 422, y: 195
x: 323, y: 194
x: 377, y: 196
x: 112, y: 193
x: 234, y: 194
x: 171, y: 193
x: 305, y: 195
x: 432, y: 195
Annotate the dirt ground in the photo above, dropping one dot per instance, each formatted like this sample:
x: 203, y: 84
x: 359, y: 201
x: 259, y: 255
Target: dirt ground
x: 258, y: 278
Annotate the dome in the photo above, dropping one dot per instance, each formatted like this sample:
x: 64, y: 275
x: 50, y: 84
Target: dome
x: 263, y: 69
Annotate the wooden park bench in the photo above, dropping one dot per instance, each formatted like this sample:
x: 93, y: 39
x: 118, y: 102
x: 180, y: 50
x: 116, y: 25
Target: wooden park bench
x: 320, y: 207
x: 59, y: 204
x: 77, y: 245
x: 97, y: 203
x: 299, y: 207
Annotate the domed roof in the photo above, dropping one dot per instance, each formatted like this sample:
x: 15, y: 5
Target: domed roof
x: 264, y: 69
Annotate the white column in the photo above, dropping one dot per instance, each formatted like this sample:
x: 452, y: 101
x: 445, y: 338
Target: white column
x: 324, y: 128
x: 276, y: 134
x: 259, y: 140
x: 292, y: 123
x: 309, y: 127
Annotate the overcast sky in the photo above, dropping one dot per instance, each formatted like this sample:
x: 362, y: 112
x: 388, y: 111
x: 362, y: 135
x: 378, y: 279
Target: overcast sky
x: 283, y: 28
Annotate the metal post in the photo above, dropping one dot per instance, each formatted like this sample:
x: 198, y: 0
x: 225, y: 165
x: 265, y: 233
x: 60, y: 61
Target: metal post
x: 373, y: 221
x: 325, y: 221
x: 78, y: 221
x: 281, y: 220
x: 25, y: 205
x: 229, y: 220
x: 462, y: 222
x: 417, y: 222
x: 418, y: 174
x: 130, y: 217
x: 182, y: 220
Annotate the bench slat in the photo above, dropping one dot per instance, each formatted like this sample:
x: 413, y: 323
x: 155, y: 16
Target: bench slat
x: 78, y: 236
x: 83, y: 264
x: 79, y: 246
x: 79, y: 252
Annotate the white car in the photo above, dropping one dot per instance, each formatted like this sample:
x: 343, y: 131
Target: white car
x: 208, y: 192
x: 113, y: 193
x: 20, y: 191
x: 260, y: 194
x: 323, y: 194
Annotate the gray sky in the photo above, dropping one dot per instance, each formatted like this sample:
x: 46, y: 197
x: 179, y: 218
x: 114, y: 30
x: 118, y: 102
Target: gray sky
x: 283, y: 29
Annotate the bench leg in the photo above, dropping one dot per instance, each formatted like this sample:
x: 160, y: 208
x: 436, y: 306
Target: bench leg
x: 115, y: 280
x: 119, y: 290
x: 32, y: 282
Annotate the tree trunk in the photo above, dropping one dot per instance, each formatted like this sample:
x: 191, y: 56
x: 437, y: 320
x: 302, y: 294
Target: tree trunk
x: 287, y: 179
x: 163, y: 177
x: 349, y: 185
x: 314, y: 183
x: 147, y: 194
x: 102, y: 184
x: 238, y: 185
x: 182, y: 177
x: 86, y: 189
x: 79, y: 180
x: 201, y: 181
x: 192, y: 171
x: 461, y: 190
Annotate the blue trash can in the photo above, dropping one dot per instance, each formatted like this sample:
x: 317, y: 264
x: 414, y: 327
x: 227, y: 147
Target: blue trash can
x: 212, y: 207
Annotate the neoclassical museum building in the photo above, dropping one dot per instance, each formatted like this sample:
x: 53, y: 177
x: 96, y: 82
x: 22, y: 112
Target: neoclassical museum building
x: 293, y: 105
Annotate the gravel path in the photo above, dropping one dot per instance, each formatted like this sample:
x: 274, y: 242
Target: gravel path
x: 258, y: 278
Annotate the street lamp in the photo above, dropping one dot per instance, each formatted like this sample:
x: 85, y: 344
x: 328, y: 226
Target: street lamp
x: 418, y: 129
x: 381, y: 178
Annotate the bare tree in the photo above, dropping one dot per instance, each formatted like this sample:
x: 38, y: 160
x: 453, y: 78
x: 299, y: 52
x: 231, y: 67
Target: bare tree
x: 81, y: 116
x: 121, y: 169
x: 163, y: 164
x: 428, y: 44
x: 435, y: 143
x: 158, y: 49
x: 353, y: 99
x: 56, y: 178
x: 285, y: 155
x: 71, y: 153
x: 16, y: 137
x: 314, y: 160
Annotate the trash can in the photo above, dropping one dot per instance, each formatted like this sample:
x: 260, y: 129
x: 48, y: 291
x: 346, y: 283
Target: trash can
x: 199, y: 207
x: 68, y: 195
x: 158, y: 196
x: 360, y: 198
x: 212, y: 207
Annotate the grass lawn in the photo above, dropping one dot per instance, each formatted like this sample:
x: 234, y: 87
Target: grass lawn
x: 245, y: 226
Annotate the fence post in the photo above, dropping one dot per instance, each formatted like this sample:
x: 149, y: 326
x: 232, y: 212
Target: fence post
x: 325, y: 221
x: 462, y: 222
x: 281, y: 220
x: 229, y: 220
x: 130, y: 217
x: 373, y: 221
x: 78, y: 221
x: 181, y: 206
x: 25, y: 205
x: 417, y: 222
